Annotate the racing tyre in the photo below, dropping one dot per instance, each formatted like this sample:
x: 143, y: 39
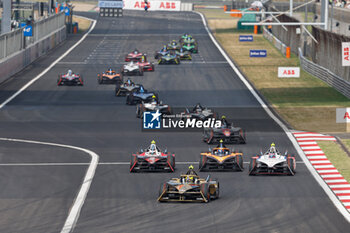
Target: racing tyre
x: 100, y: 80
x: 251, y: 166
x: 171, y: 161
x: 138, y: 111
x: 205, y: 191
x: 117, y: 89
x: 239, y: 160
x: 162, y: 188
x: 129, y: 100
x: 132, y: 161
x: 217, y: 191
x: 291, y: 165
x: 200, y: 166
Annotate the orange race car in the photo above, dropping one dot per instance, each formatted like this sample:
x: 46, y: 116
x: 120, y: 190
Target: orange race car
x: 221, y: 158
x: 110, y: 77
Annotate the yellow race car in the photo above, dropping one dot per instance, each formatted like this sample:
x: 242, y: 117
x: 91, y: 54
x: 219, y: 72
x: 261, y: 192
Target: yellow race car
x: 189, y: 188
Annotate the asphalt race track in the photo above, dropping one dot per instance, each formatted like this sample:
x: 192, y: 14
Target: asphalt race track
x: 38, y: 198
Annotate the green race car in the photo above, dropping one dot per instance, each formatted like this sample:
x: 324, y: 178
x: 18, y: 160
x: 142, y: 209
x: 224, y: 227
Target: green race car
x: 193, y: 48
x: 169, y: 59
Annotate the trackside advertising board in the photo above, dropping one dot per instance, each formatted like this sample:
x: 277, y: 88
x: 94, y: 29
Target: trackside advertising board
x: 288, y: 72
x: 345, y: 47
x: 257, y: 53
x: 343, y: 115
x: 110, y: 4
x: 153, y: 5
x: 245, y: 38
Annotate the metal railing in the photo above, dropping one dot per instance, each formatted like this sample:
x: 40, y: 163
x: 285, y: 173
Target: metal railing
x: 13, y: 42
x: 325, y: 75
x: 276, y: 42
x: 316, y: 70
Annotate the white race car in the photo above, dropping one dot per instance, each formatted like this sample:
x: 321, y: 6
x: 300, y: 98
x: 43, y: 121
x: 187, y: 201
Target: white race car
x: 132, y: 68
x: 152, y: 106
x: 272, y: 162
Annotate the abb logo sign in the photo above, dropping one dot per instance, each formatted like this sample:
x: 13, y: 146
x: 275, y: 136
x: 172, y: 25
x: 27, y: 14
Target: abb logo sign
x: 141, y: 4
x: 153, y: 5
x: 288, y: 72
x: 343, y: 115
x: 167, y: 5
x: 346, y: 53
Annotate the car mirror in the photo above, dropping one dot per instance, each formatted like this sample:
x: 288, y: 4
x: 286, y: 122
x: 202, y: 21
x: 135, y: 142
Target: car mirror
x: 141, y: 150
x: 161, y: 102
x: 165, y: 151
x: 286, y: 153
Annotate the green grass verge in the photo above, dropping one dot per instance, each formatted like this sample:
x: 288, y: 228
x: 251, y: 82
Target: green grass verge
x: 338, y: 157
x: 306, y: 103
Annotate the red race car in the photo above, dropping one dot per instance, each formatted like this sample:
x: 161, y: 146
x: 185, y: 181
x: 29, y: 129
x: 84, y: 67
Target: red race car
x: 134, y: 56
x: 145, y: 65
x: 152, y: 159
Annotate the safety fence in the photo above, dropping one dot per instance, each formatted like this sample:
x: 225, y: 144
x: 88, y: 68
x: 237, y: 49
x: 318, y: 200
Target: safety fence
x: 318, y: 71
x: 325, y: 75
x: 276, y: 42
x: 14, y: 41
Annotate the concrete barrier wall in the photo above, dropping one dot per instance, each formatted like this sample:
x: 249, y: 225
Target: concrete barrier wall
x: 18, y: 61
x: 186, y: 6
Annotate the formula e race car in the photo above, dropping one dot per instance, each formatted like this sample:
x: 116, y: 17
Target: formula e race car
x: 132, y: 69
x: 164, y: 51
x: 198, y: 112
x: 146, y: 65
x: 189, y: 188
x: 70, y: 79
x: 184, y: 55
x: 189, y: 40
x: 109, y: 77
x: 193, y: 48
x: 139, y: 96
x: 272, y: 162
x: 173, y: 45
x: 227, y: 132
x: 169, y: 59
x: 126, y: 88
x: 134, y: 56
x: 152, y: 159
x: 152, y: 106
x: 221, y: 158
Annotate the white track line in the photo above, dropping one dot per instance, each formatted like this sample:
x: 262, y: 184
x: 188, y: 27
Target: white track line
x: 85, y: 186
x: 339, y: 205
x: 84, y: 164
x: 48, y: 68
x: 79, y: 201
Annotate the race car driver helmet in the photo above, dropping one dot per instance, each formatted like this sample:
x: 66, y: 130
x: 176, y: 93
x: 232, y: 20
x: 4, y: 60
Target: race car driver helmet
x: 221, y: 144
x: 70, y: 72
x: 136, y: 51
x: 189, y: 179
x: 164, y: 48
x: 142, y: 90
x: 181, y: 50
x: 110, y: 70
x: 198, y: 107
x: 128, y: 82
x: 152, y: 148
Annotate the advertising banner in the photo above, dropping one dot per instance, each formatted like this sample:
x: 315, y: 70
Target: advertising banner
x: 257, y: 53
x: 153, y: 5
x: 288, y: 72
x: 345, y: 53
